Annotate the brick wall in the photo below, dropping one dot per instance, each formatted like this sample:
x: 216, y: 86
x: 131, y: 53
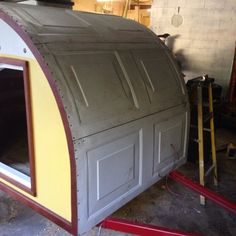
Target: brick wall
x: 205, y: 40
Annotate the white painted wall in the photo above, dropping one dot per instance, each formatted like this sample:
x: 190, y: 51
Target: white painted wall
x: 205, y: 41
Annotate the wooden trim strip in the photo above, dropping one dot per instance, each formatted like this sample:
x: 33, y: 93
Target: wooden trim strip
x: 26, y: 81
x: 140, y: 6
x: 30, y: 129
x: 74, y: 219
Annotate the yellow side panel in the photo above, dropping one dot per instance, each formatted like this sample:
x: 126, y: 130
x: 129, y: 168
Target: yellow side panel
x: 53, y: 183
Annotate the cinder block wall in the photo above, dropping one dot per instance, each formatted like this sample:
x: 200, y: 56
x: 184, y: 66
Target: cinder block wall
x: 205, y: 41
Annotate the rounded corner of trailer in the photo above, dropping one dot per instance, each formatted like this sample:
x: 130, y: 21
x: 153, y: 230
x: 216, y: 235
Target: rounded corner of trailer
x: 22, y: 65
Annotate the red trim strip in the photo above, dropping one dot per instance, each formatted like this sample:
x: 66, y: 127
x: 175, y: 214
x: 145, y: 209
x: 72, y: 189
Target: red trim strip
x: 141, y: 229
x: 230, y: 206
x: 74, y: 226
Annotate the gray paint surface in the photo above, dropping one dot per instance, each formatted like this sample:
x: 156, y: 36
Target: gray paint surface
x: 124, y: 97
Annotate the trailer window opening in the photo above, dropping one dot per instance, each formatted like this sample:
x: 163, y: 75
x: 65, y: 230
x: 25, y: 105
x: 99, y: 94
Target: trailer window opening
x: 14, y: 140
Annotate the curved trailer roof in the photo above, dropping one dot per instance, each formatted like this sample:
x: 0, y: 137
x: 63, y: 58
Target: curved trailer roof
x: 84, y: 51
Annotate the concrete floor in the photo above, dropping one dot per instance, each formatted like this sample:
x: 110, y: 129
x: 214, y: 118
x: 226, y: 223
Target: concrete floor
x: 166, y: 204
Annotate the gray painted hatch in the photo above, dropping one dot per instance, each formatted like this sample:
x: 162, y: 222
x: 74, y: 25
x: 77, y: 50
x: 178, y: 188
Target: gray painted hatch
x: 104, y: 66
x: 124, y: 97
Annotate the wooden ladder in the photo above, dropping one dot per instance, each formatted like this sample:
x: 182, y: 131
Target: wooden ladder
x: 198, y: 83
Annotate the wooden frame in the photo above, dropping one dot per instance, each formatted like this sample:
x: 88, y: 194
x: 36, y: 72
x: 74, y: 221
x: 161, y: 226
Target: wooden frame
x: 26, y: 81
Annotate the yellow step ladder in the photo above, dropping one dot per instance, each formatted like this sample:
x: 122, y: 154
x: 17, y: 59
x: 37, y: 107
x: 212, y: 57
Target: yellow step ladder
x: 199, y: 83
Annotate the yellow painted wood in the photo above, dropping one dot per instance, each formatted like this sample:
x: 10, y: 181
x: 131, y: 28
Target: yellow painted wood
x: 200, y: 142
x: 52, y: 161
x: 213, y: 146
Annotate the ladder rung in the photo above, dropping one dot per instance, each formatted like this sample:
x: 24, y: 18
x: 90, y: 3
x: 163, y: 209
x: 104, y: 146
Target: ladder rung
x: 208, y: 117
x: 209, y: 170
x: 205, y: 129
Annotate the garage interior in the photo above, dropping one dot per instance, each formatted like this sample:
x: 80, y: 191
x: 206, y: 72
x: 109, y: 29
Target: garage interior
x: 202, y: 36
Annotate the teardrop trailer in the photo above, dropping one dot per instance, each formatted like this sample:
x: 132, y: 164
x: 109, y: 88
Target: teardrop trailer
x: 93, y: 111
